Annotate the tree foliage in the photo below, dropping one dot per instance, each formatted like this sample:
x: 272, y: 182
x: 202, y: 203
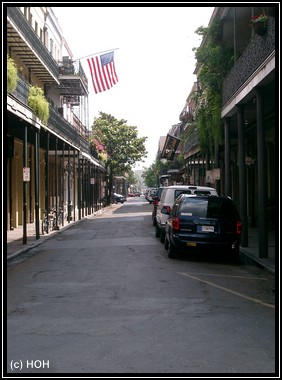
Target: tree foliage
x: 151, y: 175
x: 214, y: 61
x: 39, y: 104
x: 131, y: 177
x: 12, y: 75
x: 121, y: 142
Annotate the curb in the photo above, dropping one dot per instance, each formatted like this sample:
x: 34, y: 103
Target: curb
x: 257, y: 261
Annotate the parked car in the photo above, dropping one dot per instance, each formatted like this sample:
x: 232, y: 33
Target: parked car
x: 150, y: 194
x: 169, y: 194
x: 156, y: 199
x: 119, y: 198
x: 137, y: 194
x: 206, y: 222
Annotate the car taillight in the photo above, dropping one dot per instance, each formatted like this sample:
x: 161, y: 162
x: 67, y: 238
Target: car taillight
x: 239, y: 227
x: 176, y: 224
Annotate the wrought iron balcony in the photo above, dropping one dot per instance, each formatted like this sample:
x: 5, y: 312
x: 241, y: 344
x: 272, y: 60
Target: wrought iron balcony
x: 73, y: 80
x: 56, y: 122
x: 22, y: 91
x: 23, y: 41
x: 191, y: 143
x: 252, y: 57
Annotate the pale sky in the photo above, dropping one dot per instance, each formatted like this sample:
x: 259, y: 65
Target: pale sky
x: 154, y: 61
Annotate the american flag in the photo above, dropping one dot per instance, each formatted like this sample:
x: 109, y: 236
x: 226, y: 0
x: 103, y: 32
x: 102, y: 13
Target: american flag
x: 103, y: 72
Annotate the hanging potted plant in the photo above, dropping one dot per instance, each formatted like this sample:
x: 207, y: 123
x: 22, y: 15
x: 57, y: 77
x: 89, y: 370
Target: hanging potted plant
x: 12, y: 75
x: 259, y: 24
x: 37, y: 101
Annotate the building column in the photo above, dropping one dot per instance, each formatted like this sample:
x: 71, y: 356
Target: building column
x: 227, y: 164
x: 36, y: 183
x: 24, y: 186
x: 74, y: 184
x: 262, y: 178
x: 10, y: 157
x: 198, y: 167
x: 242, y: 176
x: 69, y: 184
x: 56, y: 227
x: 79, y: 185
x: 63, y: 182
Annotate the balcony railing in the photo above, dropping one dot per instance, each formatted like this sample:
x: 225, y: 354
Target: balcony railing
x: 69, y: 67
x: 253, y: 56
x: 33, y: 40
x: 22, y: 90
x: 192, y: 142
x: 56, y: 122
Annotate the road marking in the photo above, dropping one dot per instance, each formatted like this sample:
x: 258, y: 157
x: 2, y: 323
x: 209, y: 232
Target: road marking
x: 230, y: 291
x: 227, y: 275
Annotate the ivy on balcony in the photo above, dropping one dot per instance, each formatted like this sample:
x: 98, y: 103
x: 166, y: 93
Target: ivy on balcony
x: 214, y: 60
x: 37, y: 101
x: 12, y: 75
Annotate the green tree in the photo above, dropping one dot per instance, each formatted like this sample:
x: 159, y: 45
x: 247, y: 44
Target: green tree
x: 121, y: 142
x: 151, y: 175
x: 131, y: 177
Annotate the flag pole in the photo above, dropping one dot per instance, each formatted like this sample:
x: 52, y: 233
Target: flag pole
x: 104, y: 51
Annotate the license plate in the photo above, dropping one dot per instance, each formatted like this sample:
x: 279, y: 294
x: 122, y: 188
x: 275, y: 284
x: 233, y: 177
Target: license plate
x: 207, y: 228
x: 189, y: 244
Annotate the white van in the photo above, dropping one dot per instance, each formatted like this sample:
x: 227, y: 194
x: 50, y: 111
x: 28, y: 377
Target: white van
x: 167, y: 199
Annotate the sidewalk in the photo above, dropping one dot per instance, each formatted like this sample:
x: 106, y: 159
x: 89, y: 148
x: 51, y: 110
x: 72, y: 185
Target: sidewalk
x: 15, y: 244
x: 14, y: 238
x: 252, y: 251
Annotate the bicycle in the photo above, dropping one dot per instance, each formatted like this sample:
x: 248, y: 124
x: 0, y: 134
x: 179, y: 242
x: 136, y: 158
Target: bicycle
x: 47, y: 222
x: 57, y: 220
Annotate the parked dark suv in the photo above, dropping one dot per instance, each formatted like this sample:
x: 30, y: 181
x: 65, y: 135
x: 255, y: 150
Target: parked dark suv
x: 205, y: 222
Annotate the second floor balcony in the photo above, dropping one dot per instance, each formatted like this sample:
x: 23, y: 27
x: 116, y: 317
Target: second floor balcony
x: 57, y: 123
x: 256, y: 53
x: 23, y: 42
x: 73, y: 80
x: 192, y: 145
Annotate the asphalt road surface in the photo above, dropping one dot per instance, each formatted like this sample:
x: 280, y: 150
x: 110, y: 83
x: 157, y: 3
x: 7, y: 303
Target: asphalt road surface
x: 102, y: 297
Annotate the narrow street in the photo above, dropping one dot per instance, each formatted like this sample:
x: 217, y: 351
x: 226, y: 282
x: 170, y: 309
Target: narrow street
x: 103, y: 297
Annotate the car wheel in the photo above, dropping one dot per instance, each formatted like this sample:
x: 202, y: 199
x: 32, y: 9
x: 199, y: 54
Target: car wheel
x: 157, y: 231
x: 162, y: 236
x: 172, y: 254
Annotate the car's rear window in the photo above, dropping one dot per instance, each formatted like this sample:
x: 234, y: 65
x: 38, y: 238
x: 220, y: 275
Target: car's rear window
x: 202, y: 192
x: 208, y: 208
x: 178, y: 192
